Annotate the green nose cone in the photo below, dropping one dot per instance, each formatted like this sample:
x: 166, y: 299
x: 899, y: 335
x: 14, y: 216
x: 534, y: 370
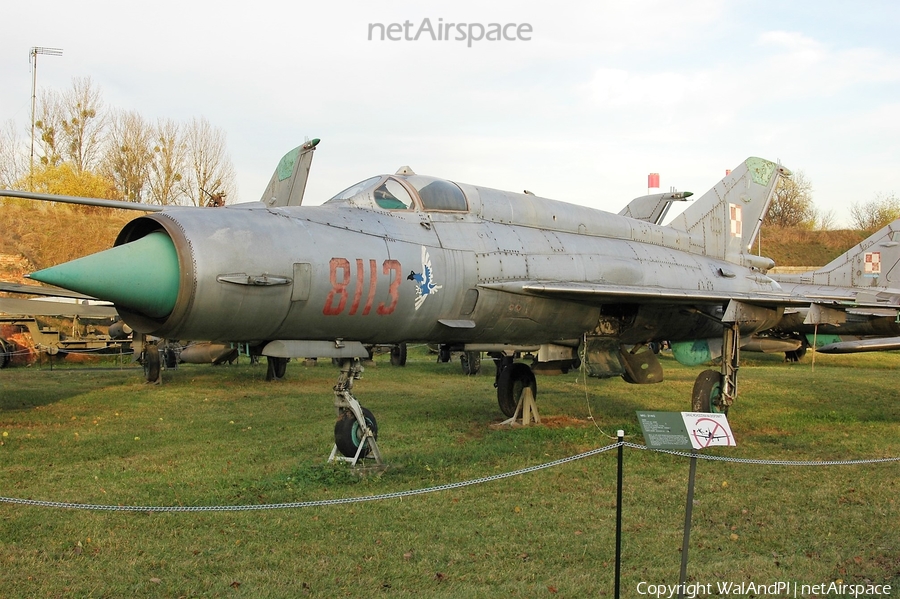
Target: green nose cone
x: 141, y: 276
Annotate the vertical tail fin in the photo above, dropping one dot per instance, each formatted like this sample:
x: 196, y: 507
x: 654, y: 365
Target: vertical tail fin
x: 726, y: 219
x: 288, y: 183
x: 873, y: 262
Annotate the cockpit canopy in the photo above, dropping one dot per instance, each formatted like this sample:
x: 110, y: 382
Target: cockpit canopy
x: 405, y: 192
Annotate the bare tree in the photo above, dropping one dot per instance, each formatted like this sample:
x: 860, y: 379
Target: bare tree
x: 168, y: 164
x: 210, y: 171
x: 13, y: 163
x: 48, y: 123
x: 83, y: 124
x: 129, y: 154
x: 792, y: 205
x: 825, y: 220
x: 876, y: 213
x: 71, y: 126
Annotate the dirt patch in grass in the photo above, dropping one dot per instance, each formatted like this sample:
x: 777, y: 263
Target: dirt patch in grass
x: 564, y: 422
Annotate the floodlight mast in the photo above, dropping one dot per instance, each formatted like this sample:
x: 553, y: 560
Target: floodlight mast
x: 32, y: 56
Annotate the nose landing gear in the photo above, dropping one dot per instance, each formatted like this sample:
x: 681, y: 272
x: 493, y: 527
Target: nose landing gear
x: 356, y: 431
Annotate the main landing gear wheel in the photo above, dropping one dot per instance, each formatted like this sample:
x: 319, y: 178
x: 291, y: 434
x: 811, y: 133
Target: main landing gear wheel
x: 444, y: 354
x: 470, y: 362
x: 398, y: 355
x: 795, y: 355
x: 707, y: 393
x: 277, y: 368
x: 510, y: 383
x: 348, y: 433
x: 152, y: 363
x: 5, y: 353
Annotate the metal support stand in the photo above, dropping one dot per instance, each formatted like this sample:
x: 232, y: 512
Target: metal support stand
x: 351, y: 369
x: 526, y: 409
x: 621, y: 435
x: 688, y: 511
x: 815, y: 341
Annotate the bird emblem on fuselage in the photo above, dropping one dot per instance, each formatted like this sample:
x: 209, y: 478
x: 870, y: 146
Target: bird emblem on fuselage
x: 425, y: 280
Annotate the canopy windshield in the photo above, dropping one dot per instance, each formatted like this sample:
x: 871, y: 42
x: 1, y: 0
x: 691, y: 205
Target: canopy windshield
x: 438, y: 194
x: 401, y: 193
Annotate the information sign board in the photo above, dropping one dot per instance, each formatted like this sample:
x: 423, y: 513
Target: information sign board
x: 685, y: 430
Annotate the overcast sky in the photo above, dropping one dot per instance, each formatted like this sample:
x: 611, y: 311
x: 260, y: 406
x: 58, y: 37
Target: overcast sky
x: 602, y: 93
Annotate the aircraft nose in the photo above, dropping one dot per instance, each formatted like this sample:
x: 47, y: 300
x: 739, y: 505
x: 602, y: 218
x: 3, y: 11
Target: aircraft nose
x: 141, y: 276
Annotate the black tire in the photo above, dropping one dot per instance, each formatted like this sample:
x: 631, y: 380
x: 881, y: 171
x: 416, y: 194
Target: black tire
x: 512, y: 381
x: 444, y: 354
x: 707, y: 392
x: 276, y: 368
x: 347, y: 432
x: 171, y: 358
x: 152, y: 363
x: 398, y: 355
x: 796, y: 355
x: 470, y: 362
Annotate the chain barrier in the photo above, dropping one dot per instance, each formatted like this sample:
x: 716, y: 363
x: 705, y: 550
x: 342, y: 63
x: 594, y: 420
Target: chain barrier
x: 757, y: 462
x: 87, y: 351
x: 103, y: 351
x: 305, y: 504
x: 426, y: 490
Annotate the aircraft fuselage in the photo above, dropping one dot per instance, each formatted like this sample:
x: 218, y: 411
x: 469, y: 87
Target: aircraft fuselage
x: 253, y: 273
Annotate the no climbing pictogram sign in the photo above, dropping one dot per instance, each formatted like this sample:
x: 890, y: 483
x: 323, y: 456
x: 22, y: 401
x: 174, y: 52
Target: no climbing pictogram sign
x: 708, y: 430
x: 685, y: 430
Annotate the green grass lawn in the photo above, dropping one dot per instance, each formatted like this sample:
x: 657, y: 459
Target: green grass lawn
x: 211, y: 436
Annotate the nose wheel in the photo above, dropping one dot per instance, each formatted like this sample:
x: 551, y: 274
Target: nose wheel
x: 350, y: 437
x: 356, y: 431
